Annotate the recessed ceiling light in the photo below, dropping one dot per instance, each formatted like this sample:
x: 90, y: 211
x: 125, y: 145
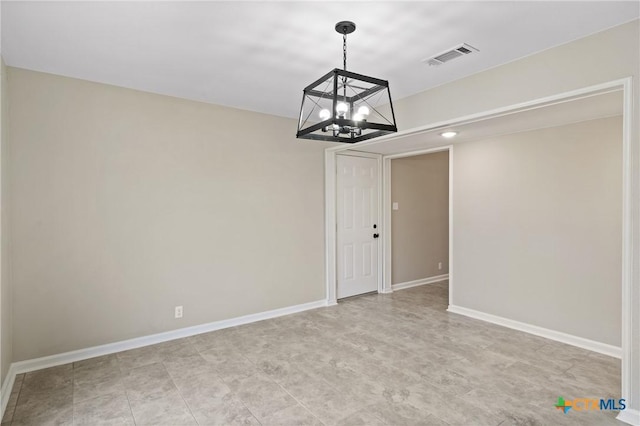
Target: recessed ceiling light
x: 448, y: 134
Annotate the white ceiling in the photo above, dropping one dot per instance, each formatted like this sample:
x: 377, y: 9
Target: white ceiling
x: 555, y: 114
x: 259, y: 55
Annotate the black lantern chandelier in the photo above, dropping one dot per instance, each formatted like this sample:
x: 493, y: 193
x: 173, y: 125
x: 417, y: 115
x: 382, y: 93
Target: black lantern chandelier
x: 343, y: 106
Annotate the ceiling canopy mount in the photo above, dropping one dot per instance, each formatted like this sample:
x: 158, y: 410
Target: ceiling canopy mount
x: 345, y: 27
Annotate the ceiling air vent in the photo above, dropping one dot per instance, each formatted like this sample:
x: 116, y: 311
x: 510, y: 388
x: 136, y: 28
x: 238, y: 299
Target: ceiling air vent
x: 456, y: 52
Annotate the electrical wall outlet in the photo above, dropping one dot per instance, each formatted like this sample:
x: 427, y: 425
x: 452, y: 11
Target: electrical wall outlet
x: 439, y: 265
x: 395, y: 206
x: 178, y: 312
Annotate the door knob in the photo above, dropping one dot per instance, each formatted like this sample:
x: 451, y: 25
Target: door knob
x: 376, y: 235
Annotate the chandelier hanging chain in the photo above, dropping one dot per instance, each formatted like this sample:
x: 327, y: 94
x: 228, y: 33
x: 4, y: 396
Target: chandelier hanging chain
x: 344, y: 49
x: 344, y: 60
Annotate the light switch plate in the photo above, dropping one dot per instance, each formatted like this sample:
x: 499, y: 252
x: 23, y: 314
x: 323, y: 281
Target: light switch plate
x: 395, y: 206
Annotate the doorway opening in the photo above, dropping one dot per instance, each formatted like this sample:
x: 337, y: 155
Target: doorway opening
x: 419, y: 218
x: 604, y: 100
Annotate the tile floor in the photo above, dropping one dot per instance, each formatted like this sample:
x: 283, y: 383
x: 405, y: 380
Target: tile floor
x: 374, y: 360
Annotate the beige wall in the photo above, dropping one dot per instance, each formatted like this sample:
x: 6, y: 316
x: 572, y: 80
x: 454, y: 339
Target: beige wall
x: 537, y: 228
x: 602, y: 57
x: 420, y: 226
x: 98, y: 155
x: 126, y: 204
x: 5, y: 289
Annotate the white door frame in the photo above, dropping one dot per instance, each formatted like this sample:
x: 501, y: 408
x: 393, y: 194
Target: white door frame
x: 629, y: 171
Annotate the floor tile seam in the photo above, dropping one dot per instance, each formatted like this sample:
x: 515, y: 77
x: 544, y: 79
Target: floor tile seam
x: 139, y: 400
x: 17, y: 399
x: 73, y: 404
x: 95, y: 397
x: 130, y: 409
x: 16, y: 406
x: 351, y: 391
x: 178, y: 391
x: 298, y: 401
x: 331, y: 385
x: 381, y: 342
x: 237, y: 398
x: 210, y: 365
x: 188, y: 407
x: 393, y: 362
x: 402, y: 306
x: 434, y: 415
x: 93, y: 377
x: 198, y: 368
x: 418, y: 409
x: 102, y: 376
x: 380, y: 418
x: 126, y: 395
x: 208, y: 348
x: 249, y: 360
x: 156, y: 395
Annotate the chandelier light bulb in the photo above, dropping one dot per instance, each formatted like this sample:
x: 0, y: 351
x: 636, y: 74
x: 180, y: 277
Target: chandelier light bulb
x: 341, y: 108
x: 364, y: 111
x: 324, y: 114
x: 358, y: 117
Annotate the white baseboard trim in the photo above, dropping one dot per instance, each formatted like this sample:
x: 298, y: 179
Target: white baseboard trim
x: 631, y: 417
x: 5, y: 391
x: 110, y: 348
x: 558, y: 336
x: 82, y: 354
x: 422, y: 281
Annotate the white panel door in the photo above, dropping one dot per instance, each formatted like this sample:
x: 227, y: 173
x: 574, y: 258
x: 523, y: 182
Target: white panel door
x: 358, y: 225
